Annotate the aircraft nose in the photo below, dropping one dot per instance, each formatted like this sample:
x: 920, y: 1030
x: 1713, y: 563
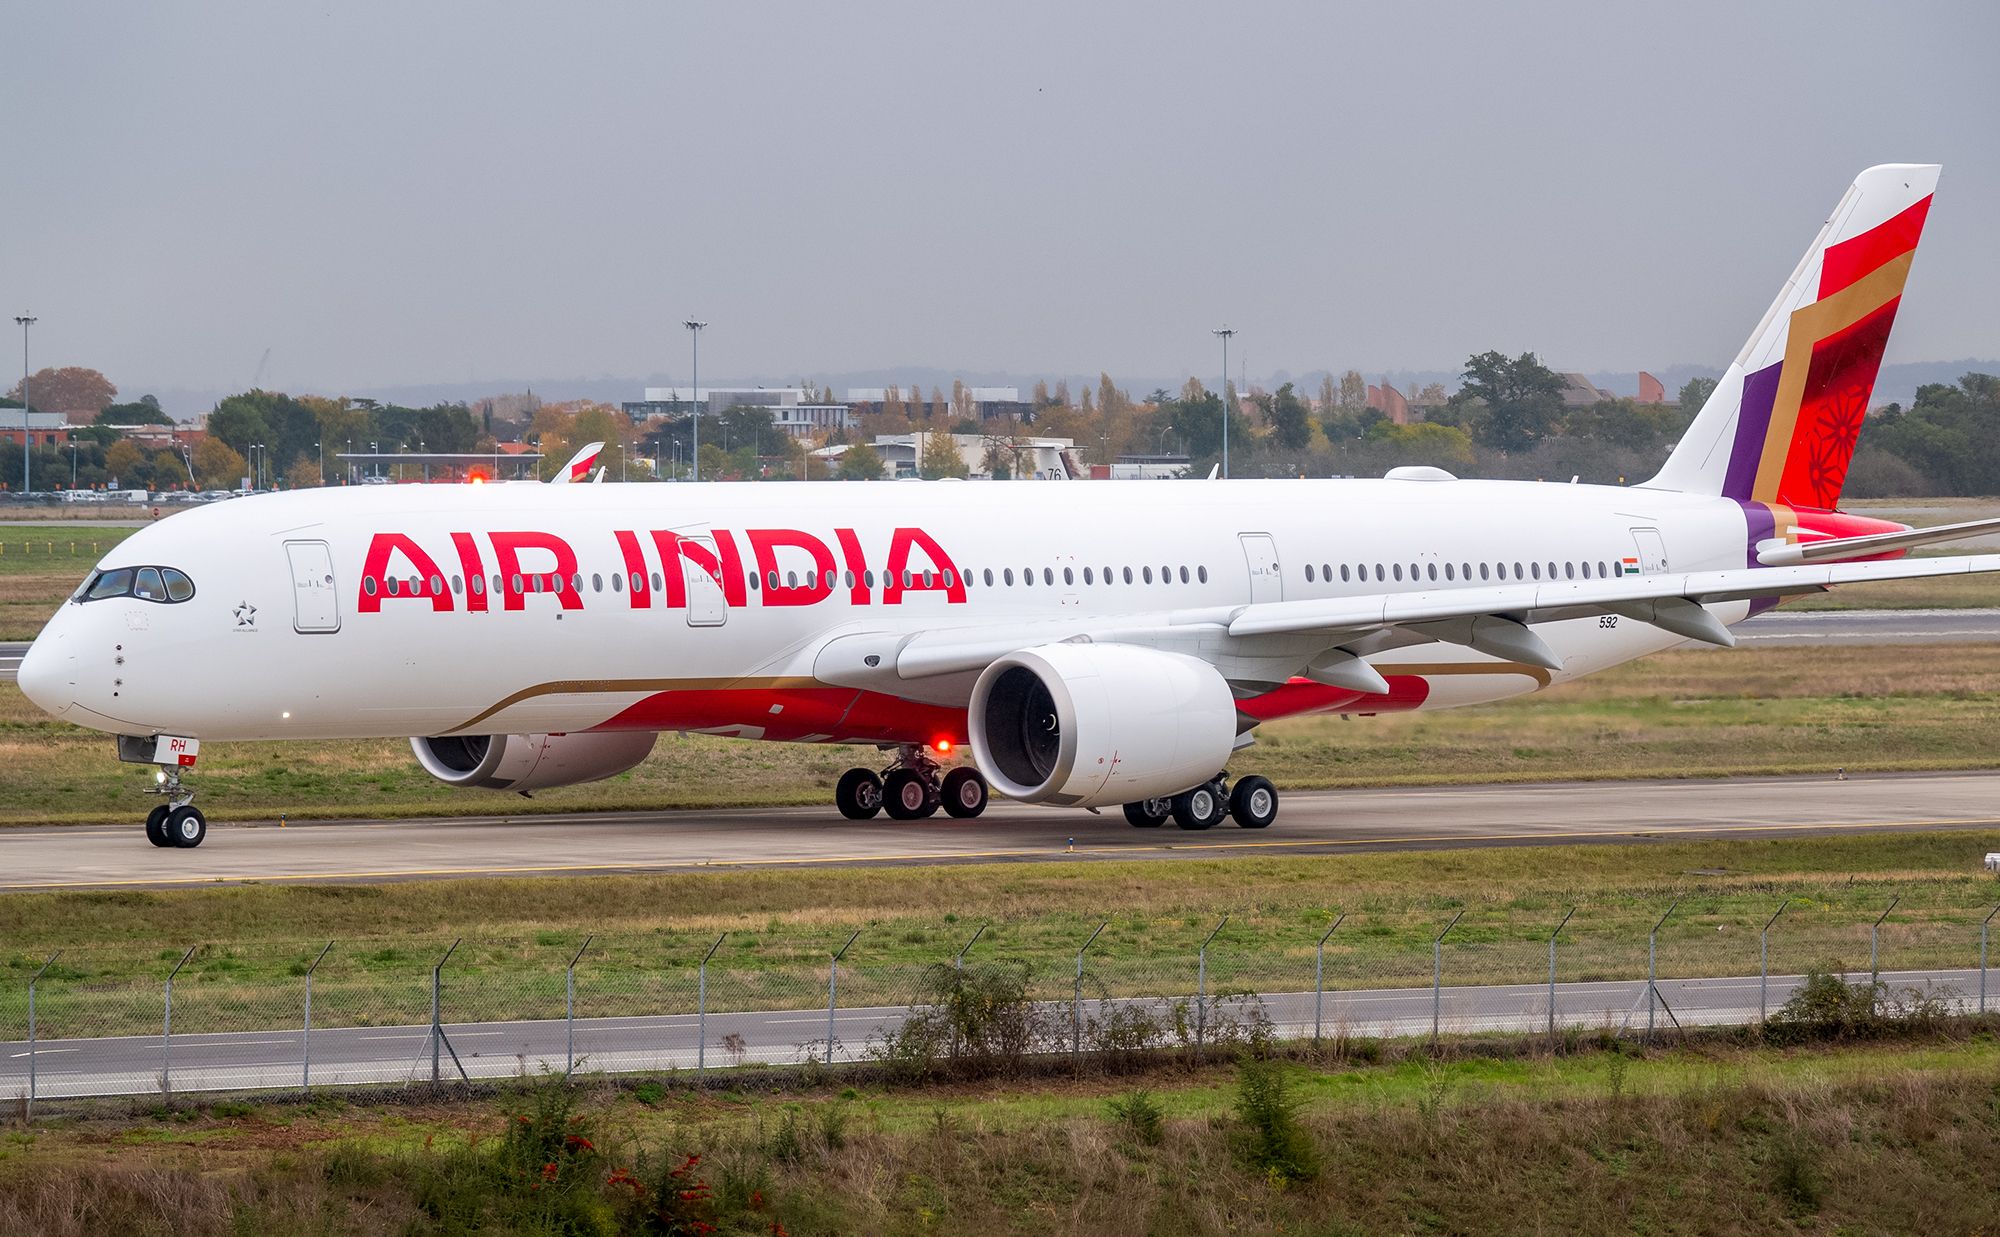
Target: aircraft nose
x: 47, y: 675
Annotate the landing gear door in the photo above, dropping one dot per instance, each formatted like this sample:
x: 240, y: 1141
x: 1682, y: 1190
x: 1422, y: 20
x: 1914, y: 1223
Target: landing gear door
x: 1652, y: 550
x: 315, y: 603
x: 1260, y: 554
x: 707, y: 607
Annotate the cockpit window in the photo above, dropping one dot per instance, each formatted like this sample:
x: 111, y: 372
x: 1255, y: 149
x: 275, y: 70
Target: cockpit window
x: 164, y: 585
x: 110, y: 584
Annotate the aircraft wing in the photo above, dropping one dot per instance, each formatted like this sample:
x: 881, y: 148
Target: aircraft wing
x: 1270, y: 642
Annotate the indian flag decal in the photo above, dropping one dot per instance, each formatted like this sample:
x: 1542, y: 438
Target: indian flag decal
x: 1630, y: 565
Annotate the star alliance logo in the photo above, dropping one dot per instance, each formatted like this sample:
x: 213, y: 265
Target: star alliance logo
x: 246, y: 616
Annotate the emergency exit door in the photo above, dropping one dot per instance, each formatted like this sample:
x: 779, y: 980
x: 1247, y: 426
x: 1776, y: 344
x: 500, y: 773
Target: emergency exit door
x: 315, y: 603
x: 707, y: 607
x: 1260, y: 554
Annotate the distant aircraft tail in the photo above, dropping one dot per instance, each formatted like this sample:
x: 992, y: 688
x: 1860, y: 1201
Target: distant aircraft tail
x: 1781, y: 425
x: 579, y: 465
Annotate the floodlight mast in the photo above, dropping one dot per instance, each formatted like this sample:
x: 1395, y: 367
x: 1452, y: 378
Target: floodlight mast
x: 1224, y: 332
x: 694, y: 392
x: 24, y: 321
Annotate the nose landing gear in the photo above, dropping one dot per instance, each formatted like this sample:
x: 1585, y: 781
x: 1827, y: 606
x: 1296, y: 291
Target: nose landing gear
x: 911, y: 789
x: 177, y: 822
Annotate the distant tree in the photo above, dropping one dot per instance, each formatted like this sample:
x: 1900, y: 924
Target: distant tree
x: 169, y: 469
x: 1329, y: 395
x: 1290, y: 424
x: 217, y: 466
x: 861, y: 463
x: 1441, y: 446
x: 941, y: 457
x: 1695, y: 393
x: 69, y: 389
x: 892, y: 404
x: 1353, y: 392
x: 140, y: 412
x: 1085, y: 404
x: 125, y: 462
x: 1432, y: 394
x: 1041, y: 398
x: 939, y: 409
x: 303, y: 475
x: 1521, y: 399
x: 1061, y: 395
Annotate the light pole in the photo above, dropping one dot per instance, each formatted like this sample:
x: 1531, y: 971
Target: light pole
x: 319, y: 449
x: 1162, y: 449
x: 72, y: 463
x: 1224, y: 332
x: 26, y: 438
x: 694, y: 338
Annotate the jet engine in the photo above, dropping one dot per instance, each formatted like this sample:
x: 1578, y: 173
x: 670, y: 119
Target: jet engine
x: 531, y: 761
x: 1083, y: 725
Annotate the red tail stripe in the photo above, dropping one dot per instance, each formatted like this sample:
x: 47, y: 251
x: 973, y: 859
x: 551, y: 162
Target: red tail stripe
x: 1856, y: 256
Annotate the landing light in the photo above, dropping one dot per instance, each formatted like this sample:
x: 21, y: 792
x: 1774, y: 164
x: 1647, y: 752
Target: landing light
x: 942, y: 745
x: 160, y: 777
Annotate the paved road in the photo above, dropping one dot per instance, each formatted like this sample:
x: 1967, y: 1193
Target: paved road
x: 138, y: 1065
x: 1777, y: 627
x: 1871, y: 627
x: 97, y: 856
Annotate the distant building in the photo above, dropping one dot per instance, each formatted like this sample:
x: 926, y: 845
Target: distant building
x: 794, y: 411
x: 1150, y: 466
x: 1387, y: 400
x: 1580, y: 392
x: 1651, y: 389
x: 44, y: 429
x: 988, y: 403
x: 902, y: 455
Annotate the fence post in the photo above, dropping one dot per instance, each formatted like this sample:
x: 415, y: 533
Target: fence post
x: 1982, y: 956
x: 167, y: 1029
x: 306, y: 1039
x: 1552, y: 974
x: 1319, y: 975
x: 437, y: 1023
x: 701, y: 1008
x: 1201, y: 988
x: 832, y: 978
x: 1076, y: 1002
x: 1653, y: 968
x: 1764, y: 962
x: 1874, y: 972
x: 958, y: 965
x: 1437, y: 976
x: 569, y: 1007
x: 30, y: 1114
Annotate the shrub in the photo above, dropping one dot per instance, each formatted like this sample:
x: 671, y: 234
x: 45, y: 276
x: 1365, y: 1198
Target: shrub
x: 1141, y: 1115
x: 1826, y: 1007
x: 979, y: 1018
x: 1276, y: 1144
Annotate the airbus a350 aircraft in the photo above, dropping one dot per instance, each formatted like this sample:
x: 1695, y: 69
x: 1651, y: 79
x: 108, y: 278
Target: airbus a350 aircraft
x: 1088, y: 644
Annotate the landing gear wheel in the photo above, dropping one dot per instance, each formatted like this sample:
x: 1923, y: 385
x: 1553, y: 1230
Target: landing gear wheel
x: 907, y: 796
x: 964, y: 793
x: 1254, y: 802
x: 1148, y: 813
x: 156, y: 826
x: 858, y: 794
x: 186, y: 826
x: 1200, y: 808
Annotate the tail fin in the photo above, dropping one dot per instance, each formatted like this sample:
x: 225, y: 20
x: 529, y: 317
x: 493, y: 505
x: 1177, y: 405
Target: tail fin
x: 1781, y: 425
x: 579, y: 465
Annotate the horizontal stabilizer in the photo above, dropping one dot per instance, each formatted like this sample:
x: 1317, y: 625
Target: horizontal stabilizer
x: 1874, y: 543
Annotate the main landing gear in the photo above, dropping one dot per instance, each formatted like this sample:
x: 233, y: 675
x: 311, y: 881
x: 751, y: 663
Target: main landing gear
x: 177, y: 822
x: 914, y: 787
x: 1253, y: 801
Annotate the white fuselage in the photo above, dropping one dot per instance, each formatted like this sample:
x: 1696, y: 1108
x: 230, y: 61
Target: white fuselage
x: 293, y: 631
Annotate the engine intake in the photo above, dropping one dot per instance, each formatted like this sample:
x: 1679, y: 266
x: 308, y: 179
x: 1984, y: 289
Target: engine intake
x: 531, y: 761
x: 1084, y: 725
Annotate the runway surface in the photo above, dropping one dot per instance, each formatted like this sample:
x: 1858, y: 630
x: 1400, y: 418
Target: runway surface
x: 97, y: 856
x: 1777, y: 627
x: 246, y: 1060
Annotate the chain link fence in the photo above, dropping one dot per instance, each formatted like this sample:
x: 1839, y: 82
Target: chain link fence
x: 296, y: 1016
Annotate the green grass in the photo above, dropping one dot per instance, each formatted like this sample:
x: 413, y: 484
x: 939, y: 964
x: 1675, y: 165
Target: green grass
x: 1698, y: 713
x: 42, y: 565
x: 1869, y: 1138
x: 650, y: 930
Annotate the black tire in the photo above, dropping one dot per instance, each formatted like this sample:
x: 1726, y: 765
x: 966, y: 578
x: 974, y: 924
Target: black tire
x: 1148, y: 813
x: 964, y: 793
x: 1200, y: 808
x: 156, y: 826
x: 858, y: 794
x: 907, y: 796
x: 1253, y: 801
x: 187, y: 827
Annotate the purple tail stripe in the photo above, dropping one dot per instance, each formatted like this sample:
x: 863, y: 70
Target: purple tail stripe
x: 1753, y: 427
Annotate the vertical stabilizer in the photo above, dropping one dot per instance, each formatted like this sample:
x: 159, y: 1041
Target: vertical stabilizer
x: 1782, y: 423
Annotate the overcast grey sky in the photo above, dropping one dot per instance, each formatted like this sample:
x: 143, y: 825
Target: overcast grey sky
x: 399, y: 192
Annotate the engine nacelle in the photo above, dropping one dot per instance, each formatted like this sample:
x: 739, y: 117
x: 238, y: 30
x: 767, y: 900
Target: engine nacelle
x: 531, y: 761
x: 1083, y: 725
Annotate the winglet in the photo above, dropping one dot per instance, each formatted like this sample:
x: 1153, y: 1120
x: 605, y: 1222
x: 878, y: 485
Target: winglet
x: 579, y: 465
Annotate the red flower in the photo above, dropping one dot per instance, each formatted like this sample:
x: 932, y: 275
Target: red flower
x: 576, y: 1142
x: 549, y: 1171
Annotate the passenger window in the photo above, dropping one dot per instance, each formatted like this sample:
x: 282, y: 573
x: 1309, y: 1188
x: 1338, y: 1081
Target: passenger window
x: 596, y: 582
x: 1433, y: 570
x: 437, y: 584
x: 497, y: 586
x: 1343, y: 573
x: 1028, y: 577
x: 1378, y: 573
x: 1518, y: 573
x: 1088, y: 577
x: 148, y: 586
x: 1147, y: 572
x: 986, y: 577
x: 1399, y: 571
x: 393, y: 584
x: 1184, y: 575
x: 617, y: 581
x: 1448, y: 572
x: 1482, y: 571
x: 179, y: 587
x: 1569, y: 571
x: 1007, y: 574
x: 576, y: 583
x: 1309, y: 573
x: 1049, y: 576
x: 515, y: 582
x: 1128, y: 575
x: 1201, y: 573
x: 658, y: 583
x: 1536, y: 568
x: 368, y: 585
